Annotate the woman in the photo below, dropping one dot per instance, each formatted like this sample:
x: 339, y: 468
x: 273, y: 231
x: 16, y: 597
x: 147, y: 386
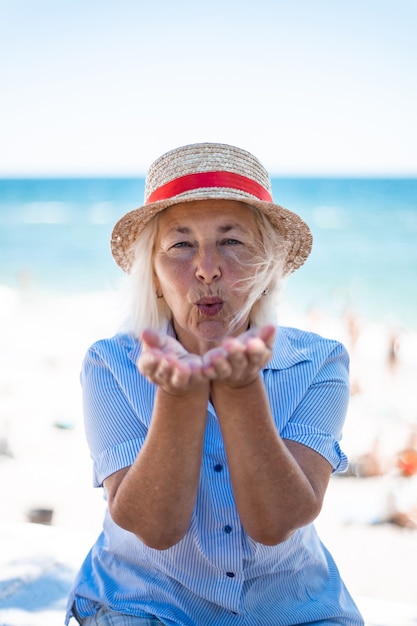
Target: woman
x: 213, y: 432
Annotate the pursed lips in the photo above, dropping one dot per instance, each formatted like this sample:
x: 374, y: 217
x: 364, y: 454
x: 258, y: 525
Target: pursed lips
x: 210, y: 305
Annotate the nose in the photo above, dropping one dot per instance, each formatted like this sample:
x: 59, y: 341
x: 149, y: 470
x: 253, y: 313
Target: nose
x: 208, y: 265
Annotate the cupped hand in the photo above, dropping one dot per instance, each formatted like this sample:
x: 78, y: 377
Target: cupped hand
x: 166, y: 363
x: 238, y: 361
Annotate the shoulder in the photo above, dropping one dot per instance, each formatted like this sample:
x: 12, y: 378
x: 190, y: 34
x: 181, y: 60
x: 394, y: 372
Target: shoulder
x: 122, y: 342
x: 119, y: 349
x: 304, y: 339
x: 293, y: 346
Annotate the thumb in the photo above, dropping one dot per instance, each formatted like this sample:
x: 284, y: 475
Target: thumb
x: 267, y: 334
x: 151, y: 338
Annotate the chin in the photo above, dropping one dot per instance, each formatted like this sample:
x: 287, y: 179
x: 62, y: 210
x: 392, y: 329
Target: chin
x: 212, y: 331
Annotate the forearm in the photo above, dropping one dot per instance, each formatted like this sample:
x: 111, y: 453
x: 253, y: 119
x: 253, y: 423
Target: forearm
x: 272, y: 493
x: 156, y: 497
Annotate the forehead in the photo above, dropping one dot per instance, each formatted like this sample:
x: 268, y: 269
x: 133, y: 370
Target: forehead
x: 219, y: 214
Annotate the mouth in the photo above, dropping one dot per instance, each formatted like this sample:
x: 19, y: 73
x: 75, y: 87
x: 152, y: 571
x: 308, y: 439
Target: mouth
x: 210, y: 306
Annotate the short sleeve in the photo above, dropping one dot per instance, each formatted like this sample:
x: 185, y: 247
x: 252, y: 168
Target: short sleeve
x: 114, y: 430
x: 318, y: 419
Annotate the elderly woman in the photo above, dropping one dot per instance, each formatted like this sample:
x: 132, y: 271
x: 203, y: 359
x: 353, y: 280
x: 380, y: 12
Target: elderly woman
x: 213, y: 432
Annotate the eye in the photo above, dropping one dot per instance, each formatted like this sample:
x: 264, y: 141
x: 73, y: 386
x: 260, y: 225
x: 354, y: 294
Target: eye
x: 231, y: 242
x: 181, y: 244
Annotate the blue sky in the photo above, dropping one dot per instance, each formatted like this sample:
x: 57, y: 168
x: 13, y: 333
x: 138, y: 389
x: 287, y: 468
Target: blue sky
x: 310, y: 86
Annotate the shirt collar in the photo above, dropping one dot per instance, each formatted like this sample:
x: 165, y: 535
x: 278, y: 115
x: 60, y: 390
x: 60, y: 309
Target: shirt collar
x: 285, y: 354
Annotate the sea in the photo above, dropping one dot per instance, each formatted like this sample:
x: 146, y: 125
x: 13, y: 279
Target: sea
x: 55, y: 232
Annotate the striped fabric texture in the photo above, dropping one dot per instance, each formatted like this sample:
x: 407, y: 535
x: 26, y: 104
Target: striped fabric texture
x: 216, y: 575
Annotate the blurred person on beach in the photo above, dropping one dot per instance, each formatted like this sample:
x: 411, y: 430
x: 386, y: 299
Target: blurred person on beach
x: 213, y: 431
x: 403, y: 496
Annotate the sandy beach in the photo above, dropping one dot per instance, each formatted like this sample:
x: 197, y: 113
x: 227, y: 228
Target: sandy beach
x: 44, y: 460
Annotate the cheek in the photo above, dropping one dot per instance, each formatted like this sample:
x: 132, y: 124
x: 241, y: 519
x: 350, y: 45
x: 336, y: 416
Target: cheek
x: 238, y: 260
x: 172, y: 275
x: 236, y: 272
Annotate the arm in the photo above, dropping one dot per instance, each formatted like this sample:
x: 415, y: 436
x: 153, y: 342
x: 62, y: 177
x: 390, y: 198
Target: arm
x: 278, y: 485
x: 155, y: 497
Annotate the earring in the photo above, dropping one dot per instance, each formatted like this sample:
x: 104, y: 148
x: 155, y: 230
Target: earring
x: 158, y: 295
x: 265, y: 291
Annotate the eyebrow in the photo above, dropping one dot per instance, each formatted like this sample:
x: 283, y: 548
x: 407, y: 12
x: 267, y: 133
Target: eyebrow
x: 185, y: 230
x: 234, y: 226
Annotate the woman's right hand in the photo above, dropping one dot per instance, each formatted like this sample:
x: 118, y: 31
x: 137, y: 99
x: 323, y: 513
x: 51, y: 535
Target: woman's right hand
x: 166, y: 363
x: 155, y: 497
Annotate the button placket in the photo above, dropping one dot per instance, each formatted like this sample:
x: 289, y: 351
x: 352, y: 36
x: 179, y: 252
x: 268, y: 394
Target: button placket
x: 228, y: 559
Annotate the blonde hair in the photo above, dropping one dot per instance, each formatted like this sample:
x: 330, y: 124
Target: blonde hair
x: 146, y: 310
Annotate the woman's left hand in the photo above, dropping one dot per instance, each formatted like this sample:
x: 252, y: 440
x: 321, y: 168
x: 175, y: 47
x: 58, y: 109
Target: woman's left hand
x: 238, y: 361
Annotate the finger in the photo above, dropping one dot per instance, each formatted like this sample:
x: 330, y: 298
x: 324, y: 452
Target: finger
x: 178, y: 380
x: 213, y: 354
x: 184, y: 380
x: 216, y: 363
x: 184, y: 363
x: 221, y: 368
x: 258, y: 353
x: 236, y: 352
x: 148, y: 363
x: 256, y: 346
x: 166, y: 368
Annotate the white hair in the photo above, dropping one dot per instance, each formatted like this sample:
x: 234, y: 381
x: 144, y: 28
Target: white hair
x: 146, y: 310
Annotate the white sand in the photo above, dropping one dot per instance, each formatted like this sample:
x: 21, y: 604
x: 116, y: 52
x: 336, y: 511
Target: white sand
x: 42, y: 343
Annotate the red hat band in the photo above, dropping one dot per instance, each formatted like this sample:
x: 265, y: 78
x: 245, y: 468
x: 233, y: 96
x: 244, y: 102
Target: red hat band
x: 203, y: 180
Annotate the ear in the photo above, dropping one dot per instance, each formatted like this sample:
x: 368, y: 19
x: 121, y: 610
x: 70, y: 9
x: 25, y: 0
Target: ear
x: 157, y: 286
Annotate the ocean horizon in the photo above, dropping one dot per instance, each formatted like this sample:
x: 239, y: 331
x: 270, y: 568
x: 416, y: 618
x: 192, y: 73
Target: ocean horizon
x: 55, y: 232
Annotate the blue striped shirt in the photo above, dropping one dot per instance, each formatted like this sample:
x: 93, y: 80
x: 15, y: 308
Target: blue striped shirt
x: 216, y: 575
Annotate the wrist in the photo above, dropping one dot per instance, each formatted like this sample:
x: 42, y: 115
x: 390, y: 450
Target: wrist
x: 199, y: 392
x: 236, y: 388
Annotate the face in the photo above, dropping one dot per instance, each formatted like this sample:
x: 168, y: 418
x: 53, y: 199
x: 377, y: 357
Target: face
x: 202, y: 254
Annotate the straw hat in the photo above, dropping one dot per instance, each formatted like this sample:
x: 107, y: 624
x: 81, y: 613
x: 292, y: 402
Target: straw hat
x: 205, y: 171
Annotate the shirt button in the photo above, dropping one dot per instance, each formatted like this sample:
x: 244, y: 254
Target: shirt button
x: 218, y: 467
x: 230, y: 574
x: 227, y: 529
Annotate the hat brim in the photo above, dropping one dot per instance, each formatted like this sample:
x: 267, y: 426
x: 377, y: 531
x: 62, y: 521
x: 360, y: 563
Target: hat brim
x: 293, y: 229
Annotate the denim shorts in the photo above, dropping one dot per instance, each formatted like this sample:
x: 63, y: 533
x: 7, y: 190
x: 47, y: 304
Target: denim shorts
x: 107, y: 617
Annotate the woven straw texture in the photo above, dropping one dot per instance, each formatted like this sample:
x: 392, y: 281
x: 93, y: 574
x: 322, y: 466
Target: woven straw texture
x: 210, y: 157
